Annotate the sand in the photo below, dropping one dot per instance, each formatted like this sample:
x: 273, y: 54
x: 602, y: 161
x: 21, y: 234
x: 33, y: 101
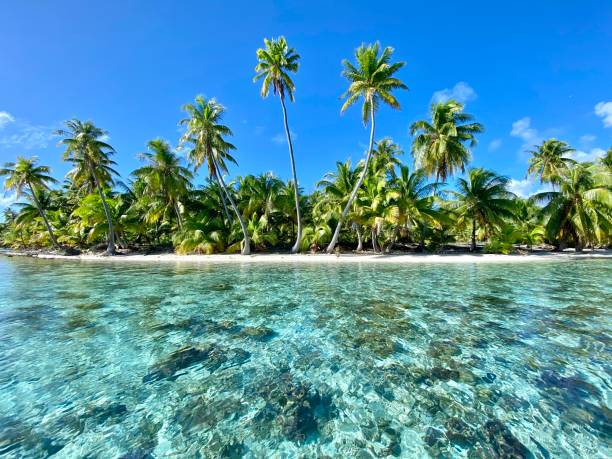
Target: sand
x: 325, y: 258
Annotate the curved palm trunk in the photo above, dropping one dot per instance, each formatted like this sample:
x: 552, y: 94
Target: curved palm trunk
x: 359, y: 238
x: 334, y: 241
x: 177, y: 211
x: 110, y: 250
x: 44, y: 217
x: 227, y: 214
x: 246, y: 250
x: 296, y: 246
x: 473, y: 243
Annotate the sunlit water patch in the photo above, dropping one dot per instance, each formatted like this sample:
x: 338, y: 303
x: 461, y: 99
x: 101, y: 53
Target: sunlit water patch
x: 137, y: 361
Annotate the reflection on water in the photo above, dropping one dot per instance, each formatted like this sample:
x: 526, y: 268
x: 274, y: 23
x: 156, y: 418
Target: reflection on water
x: 134, y: 361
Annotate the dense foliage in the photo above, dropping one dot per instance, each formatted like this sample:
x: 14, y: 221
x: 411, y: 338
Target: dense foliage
x: 382, y: 202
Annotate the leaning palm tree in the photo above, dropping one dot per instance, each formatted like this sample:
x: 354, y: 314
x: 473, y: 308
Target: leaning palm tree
x: 25, y: 174
x: 581, y: 210
x: 548, y: 160
x: 483, y: 199
x: 90, y: 155
x: 439, y: 147
x: 205, y: 135
x: 371, y: 79
x: 165, y: 176
x: 276, y: 60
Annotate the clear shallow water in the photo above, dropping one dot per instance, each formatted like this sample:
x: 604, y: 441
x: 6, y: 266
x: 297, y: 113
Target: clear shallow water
x: 496, y: 360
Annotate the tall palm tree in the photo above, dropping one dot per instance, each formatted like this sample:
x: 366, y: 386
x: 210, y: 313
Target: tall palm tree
x: 483, y: 199
x: 439, y: 147
x: 90, y: 155
x: 371, y: 79
x: 164, y: 175
x: 606, y: 160
x: 25, y: 174
x: 548, y: 160
x: 275, y: 61
x: 582, y: 208
x: 205, y: 134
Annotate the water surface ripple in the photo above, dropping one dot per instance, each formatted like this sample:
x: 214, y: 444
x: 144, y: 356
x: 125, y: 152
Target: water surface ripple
x: 360, y: 360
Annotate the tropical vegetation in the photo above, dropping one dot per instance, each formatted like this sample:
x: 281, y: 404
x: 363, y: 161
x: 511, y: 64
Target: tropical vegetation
x: 432, y: 200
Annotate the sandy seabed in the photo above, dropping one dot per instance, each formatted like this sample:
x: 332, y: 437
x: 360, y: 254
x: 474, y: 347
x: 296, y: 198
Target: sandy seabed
x: 342, y: 258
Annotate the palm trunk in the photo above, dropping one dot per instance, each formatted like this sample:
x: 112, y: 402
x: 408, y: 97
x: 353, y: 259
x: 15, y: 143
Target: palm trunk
x: 44, y: 217
x: 374, y: 241
x: 296, y: 246
x: 227, y: 214
x: 246, y: 250
x: 110, y: 250
x: 177, y: 211
x: 473, y: 244
x: 359, y: 238
x: 334, y: 241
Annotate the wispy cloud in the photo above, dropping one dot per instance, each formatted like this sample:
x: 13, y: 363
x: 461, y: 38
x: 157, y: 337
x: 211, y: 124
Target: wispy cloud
x: 604, y: 110
x: 28, y: 137
x: 592, y: 155
x: 495, y: 144
x: 523, y: 130
x: 5, y: 118
x: 281, y: 138
x: 6, y: 201
x: 587, y: 138
x: 527, y: 186
x: 461, y: 92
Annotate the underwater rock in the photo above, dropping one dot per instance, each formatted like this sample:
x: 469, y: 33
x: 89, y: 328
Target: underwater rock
x: 489, y: 378
x: 460, y: 433
x: 211, y: 357
x: 435, y: 437
x: 137, y: 454
x: 102, y: 412
x: 297, y: 408
x: 380, y: 344
x: 575, y: 386
x: 504, y: 443
x: 222, y: 287
x: 444, y: 374
x: 206, y: 412
x: 259, y: 333
x: 90, y: 306
x: 443, y: 349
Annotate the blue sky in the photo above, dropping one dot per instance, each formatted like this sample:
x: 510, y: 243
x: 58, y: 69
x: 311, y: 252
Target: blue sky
x: 526, y: 70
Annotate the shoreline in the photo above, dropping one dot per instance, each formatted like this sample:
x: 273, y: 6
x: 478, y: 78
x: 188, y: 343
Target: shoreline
x: 263, y: 258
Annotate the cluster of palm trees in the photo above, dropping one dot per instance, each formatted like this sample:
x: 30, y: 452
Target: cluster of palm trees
x: 379, y: 201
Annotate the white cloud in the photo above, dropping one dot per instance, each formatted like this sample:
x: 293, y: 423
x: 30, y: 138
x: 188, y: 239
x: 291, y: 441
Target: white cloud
x: 281, y: 138
x: 5, y: 118
x: 461, y: 92
x: 604, y: 110
x: 523, y: 130
x: 527, y: 187
x: 6, y: 201
x: 28, y: 137
x: 587, y: 138
x: 495, y: 144
x: 591, y: 155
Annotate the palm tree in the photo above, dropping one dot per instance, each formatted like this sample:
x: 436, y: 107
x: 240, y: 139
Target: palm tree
x: 164, y: 175
x: 483, y: 199
x: 412, y: 204
x: 548, y: 160
x: 372, y: 80
x: 205, y: 134
x: 26, y: 174
x: 90, y: 155
x: 337, y: 188
x: 606, y: 160
x: 275, y: 61
x: 582, y: 208
x: 439, y: 147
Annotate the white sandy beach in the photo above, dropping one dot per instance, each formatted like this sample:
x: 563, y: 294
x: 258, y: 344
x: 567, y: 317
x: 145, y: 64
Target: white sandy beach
x: 325, y: 258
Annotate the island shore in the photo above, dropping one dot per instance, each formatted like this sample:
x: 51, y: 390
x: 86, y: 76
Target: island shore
x: 325, y: 258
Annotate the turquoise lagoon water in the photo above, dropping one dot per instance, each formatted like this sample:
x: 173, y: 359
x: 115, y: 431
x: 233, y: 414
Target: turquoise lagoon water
x: 449, y: 360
